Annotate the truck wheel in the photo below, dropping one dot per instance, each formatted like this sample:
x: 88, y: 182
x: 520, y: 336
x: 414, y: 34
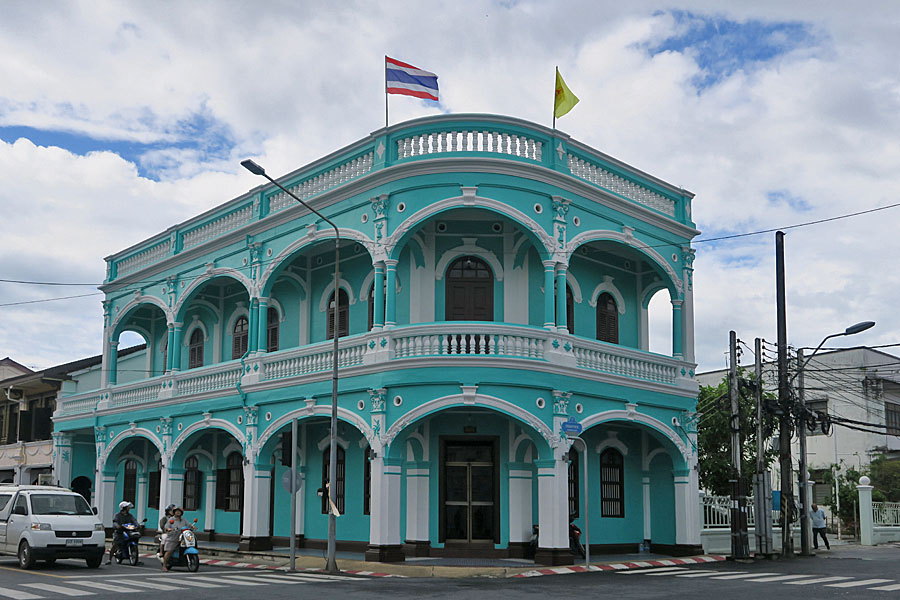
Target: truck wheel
x: 94, y: 562
x: 26, y: 560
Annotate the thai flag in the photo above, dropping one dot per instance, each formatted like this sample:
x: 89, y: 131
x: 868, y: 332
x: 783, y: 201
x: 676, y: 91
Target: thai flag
x: 401, y: 78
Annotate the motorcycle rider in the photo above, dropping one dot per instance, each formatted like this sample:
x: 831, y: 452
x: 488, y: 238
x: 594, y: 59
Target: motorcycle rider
x: 161, y: 530
x: 121, y: 518
x: 174, y: 526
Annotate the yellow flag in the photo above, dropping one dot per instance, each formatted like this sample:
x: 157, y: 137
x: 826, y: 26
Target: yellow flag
x: 565, y: 100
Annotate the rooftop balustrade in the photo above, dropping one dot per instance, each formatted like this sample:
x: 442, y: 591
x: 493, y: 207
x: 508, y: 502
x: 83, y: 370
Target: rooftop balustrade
x: 432, y: 344
x: 431, y: 138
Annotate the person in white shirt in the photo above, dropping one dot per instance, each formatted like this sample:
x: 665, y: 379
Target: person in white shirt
x: 818, y: 526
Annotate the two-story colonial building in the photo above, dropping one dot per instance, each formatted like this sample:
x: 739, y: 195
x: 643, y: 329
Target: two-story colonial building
x: 494, y: 279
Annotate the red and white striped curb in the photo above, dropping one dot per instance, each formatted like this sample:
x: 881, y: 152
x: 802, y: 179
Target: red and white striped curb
x: 215, y: 562
x: 620, y: 566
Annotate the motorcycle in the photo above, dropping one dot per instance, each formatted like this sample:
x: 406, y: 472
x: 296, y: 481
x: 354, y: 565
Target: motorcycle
x: 128, y: 548
x: 186, y: 554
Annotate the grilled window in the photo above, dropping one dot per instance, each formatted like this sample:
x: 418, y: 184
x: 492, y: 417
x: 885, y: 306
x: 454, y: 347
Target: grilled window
x: 892, y: 418
x: 367, y: 481
x: 337, y: 490
x: 271, y: 330
x: 612, y: 484
x: 129, y: 486
x: 192, y: 480
x: 343, y: 312
x: 574, y: 500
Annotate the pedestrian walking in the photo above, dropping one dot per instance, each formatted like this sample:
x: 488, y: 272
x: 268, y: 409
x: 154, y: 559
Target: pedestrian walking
x: 818, y: 526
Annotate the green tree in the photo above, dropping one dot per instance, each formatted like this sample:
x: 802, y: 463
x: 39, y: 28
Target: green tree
x: 714, y: 435
x: 885, y: 476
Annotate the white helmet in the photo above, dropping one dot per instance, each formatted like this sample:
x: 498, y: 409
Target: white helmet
x: 125, y: 504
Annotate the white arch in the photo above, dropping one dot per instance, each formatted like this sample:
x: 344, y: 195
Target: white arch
x: 612, y: 442
x: 468, y: 202
x: 207, y: 424
x: 650, y: 456
x: 212, y: 274
x: 329, y: 289
x: 364, y: 288
x: 628, y: 240
x: 240, y: 311
x: 204, y: 453
x: 326, y: 441
x: 137, y: 459
x: 634, y: 416
x: 650, y: 291
x: 523, y: 438
x: 608, y: 286
x: 274, y: 303
x: 576, y: 287
x: 469, y: 248
x: 310, y: 238
x: 348, y: 416
x: 481, y: 400
x: 130, y: 432
x: 152, y: 300
x: 189, y: 330
x: 302, y: 286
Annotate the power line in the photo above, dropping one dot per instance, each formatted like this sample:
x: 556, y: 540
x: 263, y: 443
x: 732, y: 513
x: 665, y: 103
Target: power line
x: 50, y: 299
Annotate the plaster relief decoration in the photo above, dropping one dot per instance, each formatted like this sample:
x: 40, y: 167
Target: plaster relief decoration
x: 380, y: 205
x: 378, y: 418
x: 688, y: 255
x: 561, y: 403
x: 560, y: 209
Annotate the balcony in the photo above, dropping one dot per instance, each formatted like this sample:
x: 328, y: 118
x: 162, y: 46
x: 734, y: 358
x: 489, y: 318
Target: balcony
x: 431, y: 344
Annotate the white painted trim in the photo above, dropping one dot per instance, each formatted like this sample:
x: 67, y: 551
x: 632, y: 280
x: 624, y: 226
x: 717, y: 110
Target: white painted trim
x: 344, y: 285
x: 130, y: 433
x: 364, y: 288
x: 576, y: 287
x: 612, y: 442
x: 274, y: 303
x: 326, y: 441
x: 648, y: 459
x: 238, y: 312
x: 152, y: 300
x: 608, y: 286
x: 300, y: 413
x: 208, y: 276
x: 200, y: 451
x: 195, y: 324
x: 468, y: 249
x: 207, y: 424
x: 636, y: 417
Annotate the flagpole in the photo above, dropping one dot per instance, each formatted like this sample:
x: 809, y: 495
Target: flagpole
x: 385, y: 93
x: 554, y: 96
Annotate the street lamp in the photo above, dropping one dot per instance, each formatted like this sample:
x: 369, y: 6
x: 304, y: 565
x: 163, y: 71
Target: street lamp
x: 330, y: 563
x: 804, y: 474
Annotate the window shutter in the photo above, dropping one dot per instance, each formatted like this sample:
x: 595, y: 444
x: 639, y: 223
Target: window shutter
x: 222, y: 489
x: 286, y: 447
x: 153, y: 496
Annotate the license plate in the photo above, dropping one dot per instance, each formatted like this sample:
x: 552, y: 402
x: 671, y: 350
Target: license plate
x: 74, y: 542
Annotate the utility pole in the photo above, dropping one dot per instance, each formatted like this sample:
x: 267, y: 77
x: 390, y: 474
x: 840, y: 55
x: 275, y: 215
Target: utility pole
x: 740, y: 547
x: 784, y: 400
x: 762, y: 484
x: 804, y: 473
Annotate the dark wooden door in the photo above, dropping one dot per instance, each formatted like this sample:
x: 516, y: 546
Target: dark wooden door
x: 469, y: 291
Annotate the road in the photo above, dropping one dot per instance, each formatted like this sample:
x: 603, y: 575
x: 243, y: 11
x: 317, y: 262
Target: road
x: 851, y: 572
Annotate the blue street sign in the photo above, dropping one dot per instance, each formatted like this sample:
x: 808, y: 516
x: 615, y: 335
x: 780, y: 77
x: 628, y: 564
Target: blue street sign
x: 571, y: 427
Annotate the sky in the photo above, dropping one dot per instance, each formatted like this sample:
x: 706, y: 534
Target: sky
x: 120, y: 119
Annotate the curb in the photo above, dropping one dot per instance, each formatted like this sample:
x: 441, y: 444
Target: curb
x: 624, y: 566
x: 244, y: 565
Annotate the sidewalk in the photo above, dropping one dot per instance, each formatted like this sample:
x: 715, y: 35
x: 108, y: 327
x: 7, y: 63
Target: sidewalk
x: 355, y: 564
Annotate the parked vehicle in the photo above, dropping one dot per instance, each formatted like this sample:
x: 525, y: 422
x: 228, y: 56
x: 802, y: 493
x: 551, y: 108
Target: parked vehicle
x: 128, y: 549
x: 186, y: 554
x: 42, y: 522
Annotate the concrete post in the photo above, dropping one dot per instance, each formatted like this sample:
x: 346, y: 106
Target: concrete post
x: 865, y: 512
x: 384, y: 524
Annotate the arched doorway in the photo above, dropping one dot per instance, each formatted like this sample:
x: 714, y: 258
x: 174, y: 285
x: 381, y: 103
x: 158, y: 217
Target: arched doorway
x: 82, y: 485
x: 469, y: 290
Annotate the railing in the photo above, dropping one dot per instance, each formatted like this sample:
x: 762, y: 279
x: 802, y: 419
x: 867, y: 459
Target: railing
x: 143, y: 258
x: 886, y: 514
x: 134, y: 394
x: 323, y: 181
x: 621, y: 186
x: 463, y: 140
x: 313, y: 360
x: 217, y: 227
x: 77, y: 404
x: 199, y: 382
x: 717, y: 512
x: 469, y: 340
x: 618, y: 361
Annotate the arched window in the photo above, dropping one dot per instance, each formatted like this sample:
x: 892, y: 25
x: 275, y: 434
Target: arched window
x: 129, y: 485
x: 607, y: 319
x: 367, y: 481
x: 469, y: 291
x: 234, y: 480
x: 192, y: 481
x: 343, y: 310
x: 271, y: 330
x: 239, y: 341
x: 612, y: 484
x: 195, y: 349
x: 371, y: 306
x: 573, y: 484
x: 337, y: 490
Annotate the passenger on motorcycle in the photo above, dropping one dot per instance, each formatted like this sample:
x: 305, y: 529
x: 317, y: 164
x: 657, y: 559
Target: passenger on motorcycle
x: 121, y: 518
x: 174, y: 527
x: 161, y: 530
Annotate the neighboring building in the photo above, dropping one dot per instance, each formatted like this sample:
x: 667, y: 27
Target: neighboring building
x: 494, y: 283
x: 857, y: 383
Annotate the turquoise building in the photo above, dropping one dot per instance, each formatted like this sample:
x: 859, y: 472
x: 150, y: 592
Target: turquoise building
x: 494, y: 279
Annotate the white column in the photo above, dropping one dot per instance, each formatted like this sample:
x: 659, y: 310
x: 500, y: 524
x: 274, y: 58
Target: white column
x: 384, y: 524
x: 520, y: 518
x: 645, y: 482
x: 417, y: 479
x: 301, y: 494
x: 174, y: 487
x: 687, y: 514
x: 866, y: 537
x: 553, y: 503
x: 257, y: 486
x: 209, y: 516
x: 644, y: 326
x: 105, y: 500
x: 141, y: 500
x: 62, y: 458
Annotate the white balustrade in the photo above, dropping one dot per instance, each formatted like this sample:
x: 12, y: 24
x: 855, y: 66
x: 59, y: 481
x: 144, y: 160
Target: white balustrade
x: 313, y: 360
x: 217, y: 227
x: 886, y: 514
x: 77, y: 404
x: 146, y: 392
x: 717, y: 512
x: 323, y: 181
x: 142, y: 259
x: 618, y: 362
x: 606, y: 179
x: 187, y: 383
x: 459, y: 341
x: 464, y: 140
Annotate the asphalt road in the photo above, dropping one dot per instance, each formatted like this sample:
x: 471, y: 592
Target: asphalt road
x: 849, y: 572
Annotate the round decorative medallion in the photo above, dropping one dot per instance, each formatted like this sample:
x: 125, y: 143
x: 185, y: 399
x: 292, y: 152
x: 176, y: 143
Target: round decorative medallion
x: 361, y: 405
x: 401, y: 207
x: 268, y: 416
x: 576, y: 221
x: 240, y: 419
x: 398, y: 400
x: 538, y: 208
x: 579, y: 408
x: 180, y: 426
x: 364, y: 218
x: 540, y: 403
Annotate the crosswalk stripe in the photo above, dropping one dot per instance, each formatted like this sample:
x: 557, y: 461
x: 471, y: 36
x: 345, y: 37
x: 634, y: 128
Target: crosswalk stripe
x: 648, y: 571
x: 149, y: 584
x: 105, y: 586
x: 887, y: 588
x: 707, y: 573
x: 321, y: 576
x: 849, y: 584
x: 673, y: 572
x: 204, y: 582
x: 18, y: 594
x: 280, y: 579
x: 812, y: 581
x: 744, y: 576
x: 782, y: 578
x: 241, y: 580
x: 47, y: 587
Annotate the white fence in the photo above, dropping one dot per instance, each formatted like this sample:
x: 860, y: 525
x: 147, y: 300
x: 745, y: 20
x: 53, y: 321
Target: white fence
x: 886, y: 514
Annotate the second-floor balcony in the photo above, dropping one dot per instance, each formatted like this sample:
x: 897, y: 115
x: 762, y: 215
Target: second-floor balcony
x: 442, y: 344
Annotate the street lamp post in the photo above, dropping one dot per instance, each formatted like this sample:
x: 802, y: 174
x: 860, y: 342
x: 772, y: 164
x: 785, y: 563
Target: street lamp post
x: 804, y: 473
x: 331, y: 563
